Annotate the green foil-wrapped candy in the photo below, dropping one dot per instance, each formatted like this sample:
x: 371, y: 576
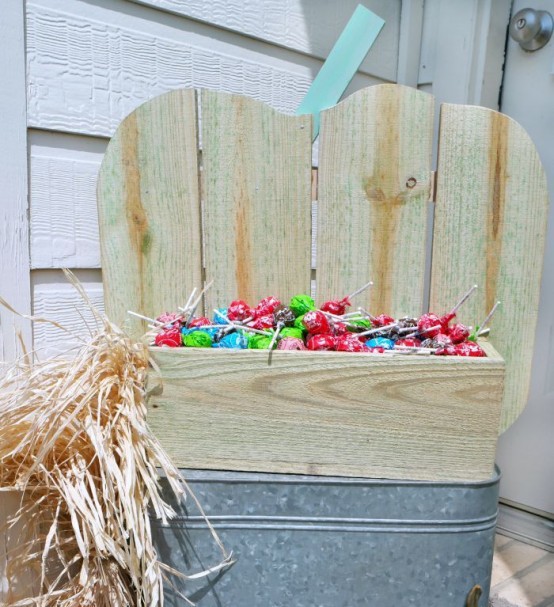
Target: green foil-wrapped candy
x: 300, y: 304
x: 260, y: 342
x: 298, y: 324
x: 292, y: 332
x: 363, y: 323
x: 197, y: 339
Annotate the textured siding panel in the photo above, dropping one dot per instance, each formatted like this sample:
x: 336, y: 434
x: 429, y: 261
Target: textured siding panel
x: 55, y: 299
x: 308, y: 26
x: 87, y: 73
x: 64, y: 220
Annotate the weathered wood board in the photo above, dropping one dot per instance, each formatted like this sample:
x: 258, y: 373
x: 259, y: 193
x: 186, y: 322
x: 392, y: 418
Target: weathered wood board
x: 149, y: 210
x: 373, y: 190
x: 256, y: 190
x: 328, y: 413
x: 490, y: 224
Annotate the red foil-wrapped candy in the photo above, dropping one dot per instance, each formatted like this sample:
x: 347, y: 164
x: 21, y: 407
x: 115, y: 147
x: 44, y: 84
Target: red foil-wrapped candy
x: 170, y: 338
x: 382, y: 320
x: 266, y: 306
x: 425, y: 323
x: 199, y: 322
x: 349, y: 343
x: 239, y: 310
x: 340, y: 328
x: 409, y: 342
x: 263, y: 322
x: 458, y: 333
x: 171, y: 317
x: 291, y: 343
x: 376, y: 350
x: 469, y: 348
x: 321, y: 342
x: 442, y: 340
x: 336, y: 306
x: 316, y: 322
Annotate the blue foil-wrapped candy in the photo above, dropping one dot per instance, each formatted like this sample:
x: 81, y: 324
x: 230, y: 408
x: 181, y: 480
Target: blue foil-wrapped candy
x: 235, y: 341
x: 220, y: 316
x: 380, y: 342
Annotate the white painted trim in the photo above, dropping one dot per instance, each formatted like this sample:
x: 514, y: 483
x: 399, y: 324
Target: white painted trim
x: 463, y: 50
x: 526, y: 527
x: 14, y: 224
x: 410, y: 38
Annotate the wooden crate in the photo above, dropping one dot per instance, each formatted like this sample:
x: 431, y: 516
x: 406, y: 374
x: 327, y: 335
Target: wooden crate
x: 229, y: 198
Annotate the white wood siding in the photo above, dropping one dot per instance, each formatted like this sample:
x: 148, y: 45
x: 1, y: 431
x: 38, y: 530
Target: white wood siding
x: 91, y: 62
x: 14, y: 229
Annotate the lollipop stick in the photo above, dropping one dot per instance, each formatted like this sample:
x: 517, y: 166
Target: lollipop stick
x: 147, y: 318
x: 360, y: 290
x: 463, y: 300
x: 364, y: 311
x: 197, y: 301
x: 378, y: 330
x: 415, y: 333
x: 487, y: 320
x: 278, y: 328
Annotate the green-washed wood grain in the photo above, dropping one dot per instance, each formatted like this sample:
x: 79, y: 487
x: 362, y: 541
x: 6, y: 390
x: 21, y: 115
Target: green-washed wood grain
x: 490, y: 225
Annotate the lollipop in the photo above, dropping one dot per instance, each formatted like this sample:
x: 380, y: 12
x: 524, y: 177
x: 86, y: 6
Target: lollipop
x: 263, y: 322
x: 234, y: 341
x: 458, y: 333
x: 338, y: 306
x: 169, y: 337
x: 284, y: 316
x: 259, y: 342
x: 292, y: 332
x: 429, y: 325
x: 199, y: 322
x: 321, y: 342
x: 444, y: 320
x: 266, y: 306
x: 382, y: 320
x: 316, y: 322
x: 349, y: 343
x: 291, y: 343
x: 197, y: 339
x: 380, y: 342
x: 239, y: 310
x: 300, y: 304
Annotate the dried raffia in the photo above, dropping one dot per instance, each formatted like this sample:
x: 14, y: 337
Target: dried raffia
x: 74, y: 441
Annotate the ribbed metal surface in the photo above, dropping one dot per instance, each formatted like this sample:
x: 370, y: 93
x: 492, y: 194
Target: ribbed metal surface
x: 305, y: 541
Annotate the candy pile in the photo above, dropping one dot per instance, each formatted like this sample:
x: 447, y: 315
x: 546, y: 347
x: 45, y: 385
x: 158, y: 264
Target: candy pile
x: 300, y: 325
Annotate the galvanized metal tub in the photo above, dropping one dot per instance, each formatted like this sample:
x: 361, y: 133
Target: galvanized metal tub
x: 306, y: 541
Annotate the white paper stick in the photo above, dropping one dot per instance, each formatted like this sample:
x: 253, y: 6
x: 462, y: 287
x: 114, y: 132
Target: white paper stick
x: 364, y: 311
x: 415, y: 333
x: 361, y: 289
x: 197, y: 301
x: 463, y: 300
x: 487, y: 320
x: 150, y: 320
x: 278, y: 328
x: 377, y: 330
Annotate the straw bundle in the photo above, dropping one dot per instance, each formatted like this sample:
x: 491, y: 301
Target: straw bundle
x: 74, y: 439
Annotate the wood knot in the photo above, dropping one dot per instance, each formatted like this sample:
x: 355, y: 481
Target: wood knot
x: 411, y: 183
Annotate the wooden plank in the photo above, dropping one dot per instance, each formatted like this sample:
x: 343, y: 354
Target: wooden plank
x: 73, y: 87
x: 308, y: 26
x: 328, y: 413
x: 14, y: 224
x: 490, y: 223
x: 63, y: 172
x: 56, y: 299
x: 257, y: 199
x: 374, y: 184
x: 149, y: 210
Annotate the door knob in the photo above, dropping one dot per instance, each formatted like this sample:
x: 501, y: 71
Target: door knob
x: 531, y: 28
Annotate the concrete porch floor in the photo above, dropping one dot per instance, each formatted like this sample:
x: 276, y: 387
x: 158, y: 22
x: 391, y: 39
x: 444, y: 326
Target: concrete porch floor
x: 522, y: 575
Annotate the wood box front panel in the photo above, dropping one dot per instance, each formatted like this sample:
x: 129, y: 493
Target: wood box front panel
x: 328, y: 413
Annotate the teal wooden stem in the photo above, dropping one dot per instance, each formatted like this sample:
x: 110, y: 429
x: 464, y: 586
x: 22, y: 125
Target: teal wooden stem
x: 343, y: 62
